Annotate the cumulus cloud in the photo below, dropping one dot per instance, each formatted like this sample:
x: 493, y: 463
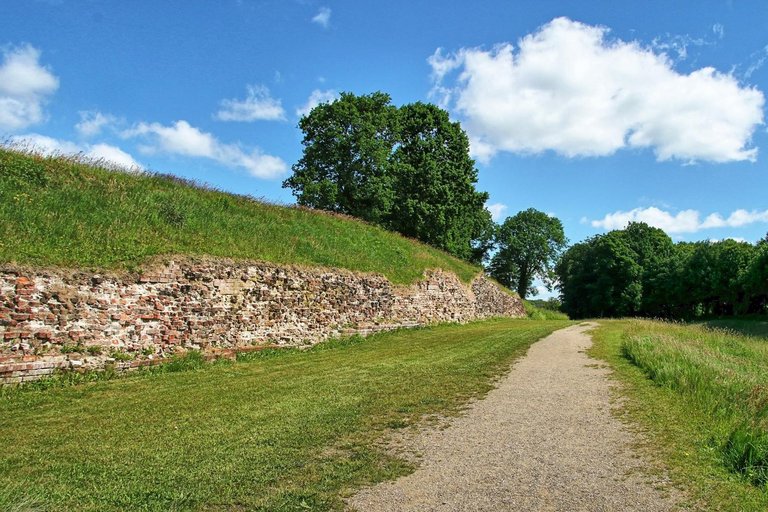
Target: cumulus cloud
x: 181, y: 138
x: 50, y: 146
x: 686, y: 221
x: 568, y: 88
x: 497, y: 210
x: 46, y: 145
x: 316, y: 98
x: 93, y: 122
x: 258, y: 105
x: 323, y: 17
x: 25, y: 86
x: 112, y: 154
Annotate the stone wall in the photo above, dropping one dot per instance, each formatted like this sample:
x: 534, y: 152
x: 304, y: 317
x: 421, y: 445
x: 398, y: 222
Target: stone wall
x: 53, y: 319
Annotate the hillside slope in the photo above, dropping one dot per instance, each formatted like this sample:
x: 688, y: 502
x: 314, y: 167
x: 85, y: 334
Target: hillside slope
x: 58, y: 211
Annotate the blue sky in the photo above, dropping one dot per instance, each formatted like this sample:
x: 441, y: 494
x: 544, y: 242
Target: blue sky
x: 596, y: 112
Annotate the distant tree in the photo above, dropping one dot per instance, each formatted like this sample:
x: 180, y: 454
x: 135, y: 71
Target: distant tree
x: 600, y: 278
x: 639, y: 271
x: 756, y: 279
x: 528, y: 245
x: 407, y: 169
x: 618, y: 288
x: 654, y: 251
x: 714, y: 277
x: 574, y: 279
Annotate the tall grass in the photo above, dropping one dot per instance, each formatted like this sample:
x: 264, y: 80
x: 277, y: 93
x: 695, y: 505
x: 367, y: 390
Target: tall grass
x: 535, y: 312
x: 66, y: 212
x: 725, y: 374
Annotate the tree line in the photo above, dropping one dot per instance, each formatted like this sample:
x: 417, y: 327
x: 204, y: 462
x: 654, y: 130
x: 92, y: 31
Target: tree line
x: 408, y: 169
x: 639, y: 271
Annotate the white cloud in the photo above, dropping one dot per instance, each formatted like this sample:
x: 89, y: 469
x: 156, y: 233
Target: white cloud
x: 93, y: 122
x: 112, y: 154
x: 25, y: 86
x: 686, y: 221
x: 323, y: 17
x: 258, y: 105
x: 719, y: 30
x: 45, y: 145
x: 497, y: 210
x: 570, y: 89
x: 42, y: 144
x: 183, y: 139
x: 316, y: 98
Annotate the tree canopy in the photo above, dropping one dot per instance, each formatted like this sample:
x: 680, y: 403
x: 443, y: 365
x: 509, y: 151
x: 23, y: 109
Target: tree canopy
x: 640, y: 271
x: 528, y: 245
x: 407, y: 169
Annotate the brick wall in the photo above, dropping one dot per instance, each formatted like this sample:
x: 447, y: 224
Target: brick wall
x: 52, y: 319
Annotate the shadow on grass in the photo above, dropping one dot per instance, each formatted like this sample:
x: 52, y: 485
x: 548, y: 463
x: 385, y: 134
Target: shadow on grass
x: 756, y: 327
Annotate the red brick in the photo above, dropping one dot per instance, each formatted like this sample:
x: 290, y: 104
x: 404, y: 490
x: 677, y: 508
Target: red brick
x: 23, y: 282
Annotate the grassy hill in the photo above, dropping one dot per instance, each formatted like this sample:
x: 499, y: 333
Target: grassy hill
x: 58, y: 211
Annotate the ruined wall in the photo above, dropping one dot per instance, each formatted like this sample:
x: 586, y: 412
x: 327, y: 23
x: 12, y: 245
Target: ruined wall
x: 54, y: 319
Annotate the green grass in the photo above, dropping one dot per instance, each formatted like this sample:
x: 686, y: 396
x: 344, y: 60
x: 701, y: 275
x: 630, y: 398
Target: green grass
x: 62, y: 212
x: 702, y: 396
x: 276, y: 430
x: 535, y: 312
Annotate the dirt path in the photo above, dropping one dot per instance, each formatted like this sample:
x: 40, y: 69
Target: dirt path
x: 544, y: 439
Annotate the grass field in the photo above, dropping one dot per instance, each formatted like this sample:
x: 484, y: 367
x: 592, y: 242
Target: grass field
x: 284, y: 430
x: 535, y: 312
x: 58, y: 211
x: 702, y: 396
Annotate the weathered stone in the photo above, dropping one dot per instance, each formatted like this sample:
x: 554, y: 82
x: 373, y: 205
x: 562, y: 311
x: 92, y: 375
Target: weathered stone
x: 223, y: 305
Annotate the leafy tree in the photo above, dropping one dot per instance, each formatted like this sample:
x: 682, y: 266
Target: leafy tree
x: 654, y: 251
x: 436, y: 201
x: 345, y: 166
x: 618, y: 289
x: 639, y: 271
x: 601, y: 277
x: 576, y: 279
x: 528, y: 245
x: 756, y: 279
x: 407, y: 169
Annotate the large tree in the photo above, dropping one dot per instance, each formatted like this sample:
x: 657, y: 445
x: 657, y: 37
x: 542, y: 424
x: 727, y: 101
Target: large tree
x: 407, y: 169
x: 435, y: 196
x: 528, y: 245
x: 347, y: 149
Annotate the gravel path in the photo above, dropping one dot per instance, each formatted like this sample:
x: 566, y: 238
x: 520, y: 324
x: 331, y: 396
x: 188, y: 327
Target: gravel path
x: 545, y: 439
